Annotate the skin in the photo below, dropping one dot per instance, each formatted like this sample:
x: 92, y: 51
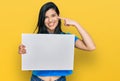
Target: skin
x: 51, y: 21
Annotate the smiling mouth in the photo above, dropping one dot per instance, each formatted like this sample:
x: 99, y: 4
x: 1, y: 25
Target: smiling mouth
x: 51, y: 24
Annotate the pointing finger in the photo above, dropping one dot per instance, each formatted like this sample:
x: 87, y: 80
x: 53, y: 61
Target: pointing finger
x: 61, y: 18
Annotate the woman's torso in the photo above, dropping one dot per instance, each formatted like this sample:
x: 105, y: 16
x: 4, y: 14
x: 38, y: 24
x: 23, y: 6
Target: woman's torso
x: 51, y: 78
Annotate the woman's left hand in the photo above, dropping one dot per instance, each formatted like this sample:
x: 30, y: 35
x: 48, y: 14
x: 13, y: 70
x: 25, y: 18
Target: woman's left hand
x: 68, y: 22
x: 86, y: 43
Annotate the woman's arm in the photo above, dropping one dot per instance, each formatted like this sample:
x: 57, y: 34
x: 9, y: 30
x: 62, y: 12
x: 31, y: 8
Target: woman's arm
x: 86, y: 43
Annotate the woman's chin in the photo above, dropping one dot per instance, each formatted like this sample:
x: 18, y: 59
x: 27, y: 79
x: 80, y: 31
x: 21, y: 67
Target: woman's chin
x: 51, y: 30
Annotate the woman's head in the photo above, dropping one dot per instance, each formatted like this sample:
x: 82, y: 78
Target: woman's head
x: 48, y: 21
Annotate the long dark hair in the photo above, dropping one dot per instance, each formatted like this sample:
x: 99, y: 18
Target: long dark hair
x: 40, y: 25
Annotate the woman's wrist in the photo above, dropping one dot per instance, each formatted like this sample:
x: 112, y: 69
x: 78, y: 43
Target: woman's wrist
x: 77, y: 25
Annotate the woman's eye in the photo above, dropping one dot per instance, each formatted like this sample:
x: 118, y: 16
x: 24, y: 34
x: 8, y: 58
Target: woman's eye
x: 53, y: 15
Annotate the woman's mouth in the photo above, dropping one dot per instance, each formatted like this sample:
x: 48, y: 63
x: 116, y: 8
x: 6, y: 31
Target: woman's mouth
x: 51, y: 24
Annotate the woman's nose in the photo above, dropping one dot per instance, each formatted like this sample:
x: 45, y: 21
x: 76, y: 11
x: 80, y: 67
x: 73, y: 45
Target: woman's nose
x: 50, y: 20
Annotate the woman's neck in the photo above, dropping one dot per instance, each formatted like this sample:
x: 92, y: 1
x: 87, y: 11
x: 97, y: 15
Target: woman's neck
x: 50, y: 31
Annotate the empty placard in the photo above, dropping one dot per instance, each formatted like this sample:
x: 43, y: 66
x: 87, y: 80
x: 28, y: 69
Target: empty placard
x: 48, y: 52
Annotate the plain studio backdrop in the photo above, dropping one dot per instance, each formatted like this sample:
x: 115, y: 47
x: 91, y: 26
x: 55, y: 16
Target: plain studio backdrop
x: 101, y: 18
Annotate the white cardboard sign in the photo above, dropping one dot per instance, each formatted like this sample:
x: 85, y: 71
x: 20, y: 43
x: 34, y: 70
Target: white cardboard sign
x: 48, y: 52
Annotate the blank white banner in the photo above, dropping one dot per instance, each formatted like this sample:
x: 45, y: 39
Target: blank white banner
x: 48, y: 52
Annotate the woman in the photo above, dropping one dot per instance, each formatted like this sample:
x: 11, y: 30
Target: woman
x: 49, y: 22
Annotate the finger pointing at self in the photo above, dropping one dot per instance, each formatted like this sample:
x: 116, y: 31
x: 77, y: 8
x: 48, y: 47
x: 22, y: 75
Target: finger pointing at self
x: 61, y: 18
x: 67, y: 22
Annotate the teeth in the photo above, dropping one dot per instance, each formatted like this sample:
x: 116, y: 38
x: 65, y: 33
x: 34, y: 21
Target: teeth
x: 51, y: 24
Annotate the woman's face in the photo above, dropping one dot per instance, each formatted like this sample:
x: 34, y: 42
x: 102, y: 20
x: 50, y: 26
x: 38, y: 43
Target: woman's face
x: 51, y: 20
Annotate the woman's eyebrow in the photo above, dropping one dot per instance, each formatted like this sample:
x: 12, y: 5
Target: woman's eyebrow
x: 54, y: 14
x: 51, y: 14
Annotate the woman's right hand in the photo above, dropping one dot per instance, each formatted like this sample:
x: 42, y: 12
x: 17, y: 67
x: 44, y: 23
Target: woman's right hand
x: 21, y: 49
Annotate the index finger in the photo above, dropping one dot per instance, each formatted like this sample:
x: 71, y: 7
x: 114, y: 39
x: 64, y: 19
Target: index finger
x: 61, y: 18
x: 22, y: 46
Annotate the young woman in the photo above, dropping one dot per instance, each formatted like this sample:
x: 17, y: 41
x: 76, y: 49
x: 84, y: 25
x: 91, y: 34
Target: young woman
x: 49, y: 21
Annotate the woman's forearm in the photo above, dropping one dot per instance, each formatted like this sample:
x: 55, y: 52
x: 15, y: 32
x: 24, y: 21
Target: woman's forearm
x: 86, y: 38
